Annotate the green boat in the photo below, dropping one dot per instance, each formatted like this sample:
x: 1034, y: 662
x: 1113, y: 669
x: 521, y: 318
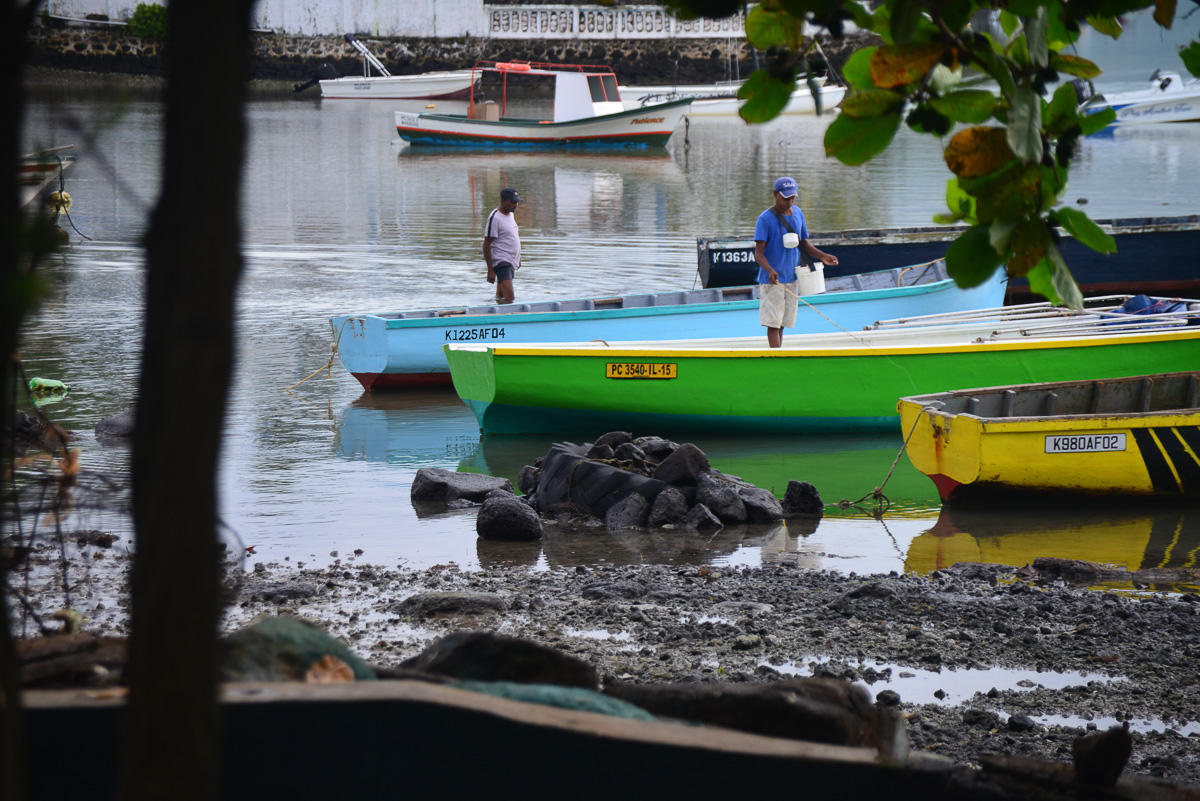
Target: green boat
x: 849, y: 381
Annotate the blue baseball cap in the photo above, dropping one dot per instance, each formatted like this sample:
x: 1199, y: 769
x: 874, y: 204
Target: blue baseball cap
x: 785, y: 186
x: 510, y: 194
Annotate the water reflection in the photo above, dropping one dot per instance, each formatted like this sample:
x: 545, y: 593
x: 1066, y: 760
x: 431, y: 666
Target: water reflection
x: 416, y: 428
x: 1130, y: 538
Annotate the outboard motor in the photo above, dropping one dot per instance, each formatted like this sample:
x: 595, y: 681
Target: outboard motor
x: 325, y: 72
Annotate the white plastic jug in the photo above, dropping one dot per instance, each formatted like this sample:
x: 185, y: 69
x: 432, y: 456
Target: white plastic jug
x: 791, y: 240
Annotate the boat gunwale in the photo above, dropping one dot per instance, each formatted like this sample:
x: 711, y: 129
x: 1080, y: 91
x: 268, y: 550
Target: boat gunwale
x: 858, y: 349
x: 546, y: 124
x: 829, y: 298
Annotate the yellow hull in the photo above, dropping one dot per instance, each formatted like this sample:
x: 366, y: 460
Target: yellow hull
x: 1137, y: 454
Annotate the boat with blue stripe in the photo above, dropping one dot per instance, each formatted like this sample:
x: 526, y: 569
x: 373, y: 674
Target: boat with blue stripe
x: 404, y: 349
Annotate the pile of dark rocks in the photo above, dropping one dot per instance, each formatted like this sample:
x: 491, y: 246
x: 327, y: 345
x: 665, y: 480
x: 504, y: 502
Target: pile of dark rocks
x: 617, y: 483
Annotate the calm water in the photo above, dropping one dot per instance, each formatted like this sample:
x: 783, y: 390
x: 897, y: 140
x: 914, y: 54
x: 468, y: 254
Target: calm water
x: 342, y: 217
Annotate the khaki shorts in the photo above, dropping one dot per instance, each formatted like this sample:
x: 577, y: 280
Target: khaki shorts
x: 777, y: 308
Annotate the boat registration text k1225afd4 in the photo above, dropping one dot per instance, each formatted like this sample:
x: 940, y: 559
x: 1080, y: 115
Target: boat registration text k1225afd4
x: 1085, y: 443
x: 641, y: 370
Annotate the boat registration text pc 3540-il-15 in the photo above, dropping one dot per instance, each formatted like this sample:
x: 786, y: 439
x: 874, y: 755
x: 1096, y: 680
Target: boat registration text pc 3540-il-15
x: 587, y: 112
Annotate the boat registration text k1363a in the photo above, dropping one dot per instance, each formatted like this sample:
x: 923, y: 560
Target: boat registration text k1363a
x: 1085, y: 443
x: 641, y: 370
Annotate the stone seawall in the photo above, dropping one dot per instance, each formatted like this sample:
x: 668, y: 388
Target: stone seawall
x: 296, y: 57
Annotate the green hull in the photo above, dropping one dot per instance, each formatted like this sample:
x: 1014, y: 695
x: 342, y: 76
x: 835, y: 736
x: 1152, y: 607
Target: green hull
x: 515, y: 390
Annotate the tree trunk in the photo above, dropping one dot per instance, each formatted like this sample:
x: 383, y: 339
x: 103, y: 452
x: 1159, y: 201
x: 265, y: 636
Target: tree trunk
x: 15, y: 17
x: 171, y: 738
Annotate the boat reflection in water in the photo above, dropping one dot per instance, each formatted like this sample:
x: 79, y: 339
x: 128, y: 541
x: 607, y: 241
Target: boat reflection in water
x: 1130, y: 538
x: 416, y: 428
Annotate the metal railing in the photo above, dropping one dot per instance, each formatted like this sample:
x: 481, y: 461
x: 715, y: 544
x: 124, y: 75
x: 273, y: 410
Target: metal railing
x: 603, y: 22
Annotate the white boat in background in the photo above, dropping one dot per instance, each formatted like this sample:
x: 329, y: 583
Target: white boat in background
x: 425, y: 86
x: 40, y: 173
x: 1167, y: 98
x: 588, y: 112
x: 720, y: 99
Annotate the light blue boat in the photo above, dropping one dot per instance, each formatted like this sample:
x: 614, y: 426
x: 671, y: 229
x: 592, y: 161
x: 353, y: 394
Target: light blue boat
x: 404, y: 349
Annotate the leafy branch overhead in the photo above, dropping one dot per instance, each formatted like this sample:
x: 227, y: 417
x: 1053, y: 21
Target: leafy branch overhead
x: 1009, y: 134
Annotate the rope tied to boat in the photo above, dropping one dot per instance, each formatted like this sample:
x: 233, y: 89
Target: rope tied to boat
x: 333, y: 351
x: 882, y: 502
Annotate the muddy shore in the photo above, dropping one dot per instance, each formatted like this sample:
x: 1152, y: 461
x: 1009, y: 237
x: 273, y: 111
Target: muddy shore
x: 983, y: 660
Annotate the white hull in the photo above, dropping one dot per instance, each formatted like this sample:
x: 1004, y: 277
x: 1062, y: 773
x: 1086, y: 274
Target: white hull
x: 651, y: 125
x: 720, y: 99
x: 1167, y: 99
x: 429, y: 85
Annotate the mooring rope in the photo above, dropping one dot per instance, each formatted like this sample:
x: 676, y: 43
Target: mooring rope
x: 882, y: 503
x: 333, y: 350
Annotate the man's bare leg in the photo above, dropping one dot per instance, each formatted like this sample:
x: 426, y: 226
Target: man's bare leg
x: 775, y: 337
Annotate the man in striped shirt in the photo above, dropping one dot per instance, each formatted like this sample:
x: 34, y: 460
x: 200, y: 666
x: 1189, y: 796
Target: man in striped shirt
x: 502, y: 245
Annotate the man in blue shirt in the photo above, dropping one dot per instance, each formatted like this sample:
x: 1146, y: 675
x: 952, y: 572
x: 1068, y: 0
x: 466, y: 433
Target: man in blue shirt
x: 778, y: 236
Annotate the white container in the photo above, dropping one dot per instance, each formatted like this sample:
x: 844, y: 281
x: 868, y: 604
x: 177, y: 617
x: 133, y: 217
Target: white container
x: 812, y: 282
x: 791, y: 240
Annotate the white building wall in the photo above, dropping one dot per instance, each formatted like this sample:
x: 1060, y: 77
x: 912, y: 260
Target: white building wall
x: 446, y: 19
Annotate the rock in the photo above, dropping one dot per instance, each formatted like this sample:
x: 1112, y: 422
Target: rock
x: 721, y: 498
x: 632, y: 454
x: 872, y: 589
x: 1100, y: 757
x: 506, y: 517
x: 821, y: 710
x: 282, y: 649
x: 436, y: 484
x: 629, y: 513
x: 569, y: 482
x: 527, y: 480
x: 1021, y: 723
x: 683, y: 467
x: 888, y: 698
x: 699, y: 518
x: 444, y: 604
x: 485, y: 656
x: 656, y: 448
x: 802, y: 500
x: 1073, y: 570
x: 761, y: 505
x: 745, y: 642
x: 26, y: 429
x: 981, y: 718
x: 742, y: 607
x: 119, y: 425
x: 669, y: 506
x: 606, y: 590
x: 278, y: 591
x: 602, y: 452
x: 614, y: 439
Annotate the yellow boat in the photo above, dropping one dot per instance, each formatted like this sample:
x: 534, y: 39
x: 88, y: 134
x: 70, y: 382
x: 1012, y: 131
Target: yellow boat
x: 1135, y: 436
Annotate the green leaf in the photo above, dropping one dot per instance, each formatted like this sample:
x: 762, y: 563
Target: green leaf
x: 1109, y: 26
x: 996, y: 67
x: 857, y: 70
x: 1080, y: 226
x: 1061, y: 112
x: 1011, y: 195
x: 1090, y: 123
x: 901, y: 65
x: 999, y: 233
x: 906, y: 15
x: 1025, y: 125
x: 1062, y: 281
x: 1009, y: 22
x: 1074, y: 65
x: 957, y: 14
x: 863, y: 105
x: 970, y: 105
x: 1036, y: 28
x: 961, y: 204
x: 1028, y: 244
x: 855, y: 141
x: 767, y: 29
x: 860, y: 16
x: 765, y: 96
x: 1191, y: 58
x: 970, y: 259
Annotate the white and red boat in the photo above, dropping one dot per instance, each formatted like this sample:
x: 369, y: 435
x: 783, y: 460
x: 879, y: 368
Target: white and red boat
x: 587, y: 112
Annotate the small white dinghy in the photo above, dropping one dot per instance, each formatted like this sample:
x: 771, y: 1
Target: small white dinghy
x: 1167, y: 98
